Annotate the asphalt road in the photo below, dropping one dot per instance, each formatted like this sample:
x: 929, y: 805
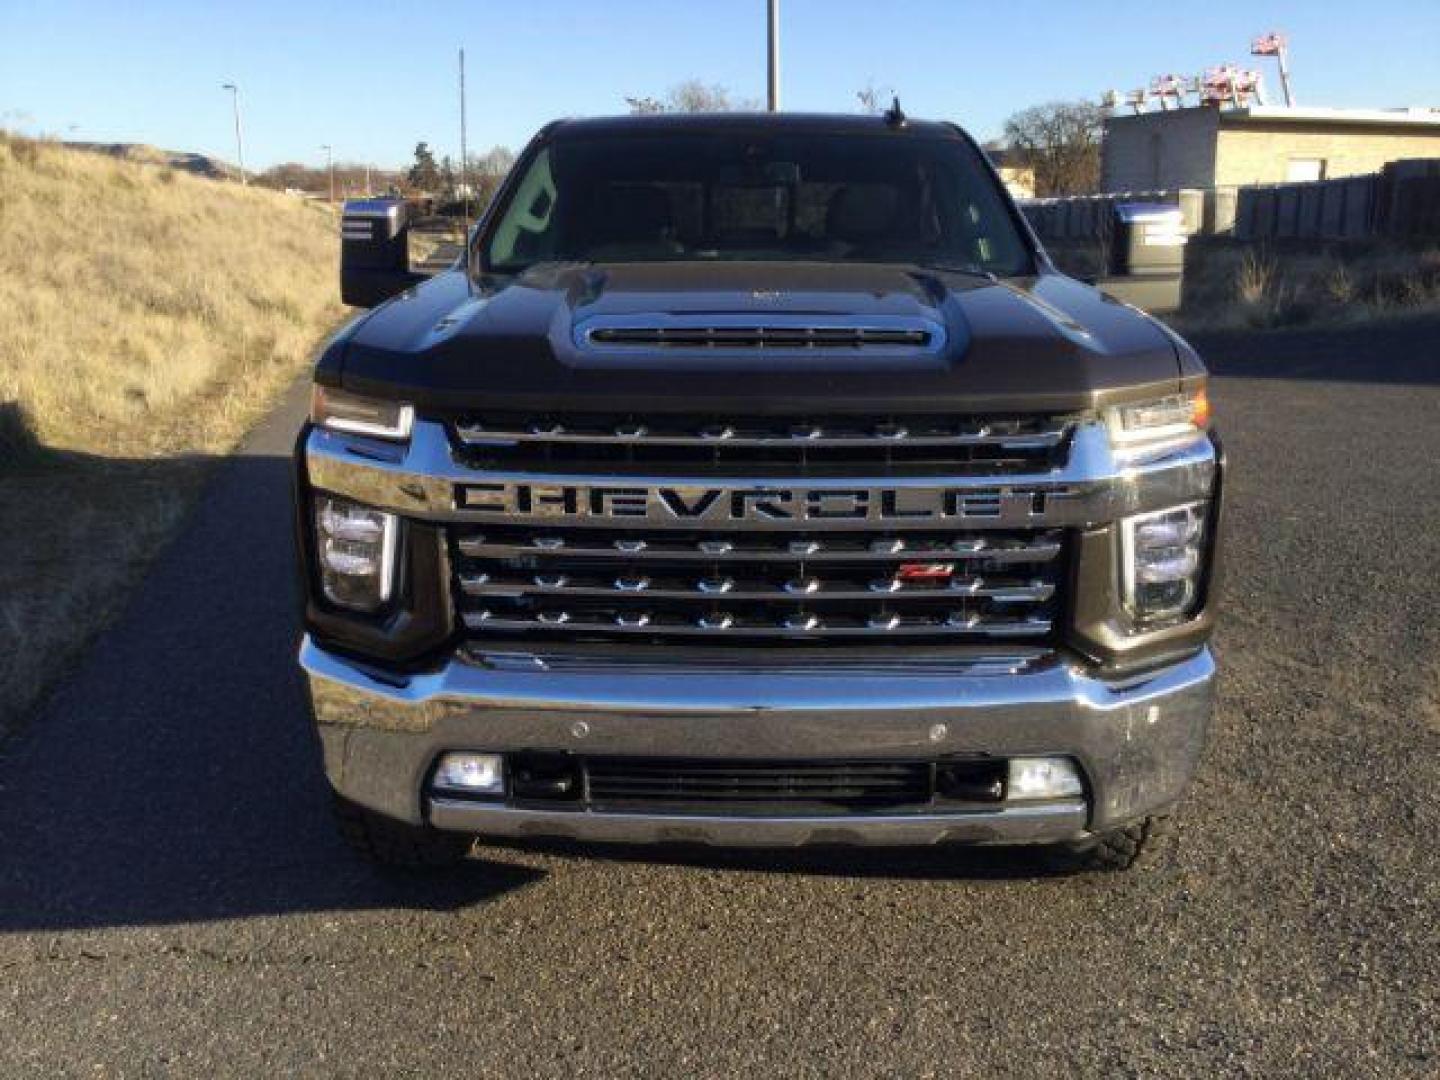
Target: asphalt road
x: 172, y: 899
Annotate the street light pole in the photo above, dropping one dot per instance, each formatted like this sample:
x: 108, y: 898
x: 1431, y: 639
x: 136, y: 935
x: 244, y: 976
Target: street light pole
x: 464, y: 152
x: 239, y: 138
x: 774, y: 56
x: 330, y: 168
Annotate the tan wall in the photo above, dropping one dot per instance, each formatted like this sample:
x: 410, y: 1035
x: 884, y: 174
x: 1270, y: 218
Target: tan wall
x: 1019, y: 179
x: 1159, y: 150
x: 1253, y: 153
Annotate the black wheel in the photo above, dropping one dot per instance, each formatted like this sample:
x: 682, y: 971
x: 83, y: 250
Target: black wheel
x: 390, y: 843
x: 1120, y: 849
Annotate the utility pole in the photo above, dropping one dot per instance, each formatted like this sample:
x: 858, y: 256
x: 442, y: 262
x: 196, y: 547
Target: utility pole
x: 330, y: 168
x: 239, y: 139
x: 774, y: 56
x: 464, y: 156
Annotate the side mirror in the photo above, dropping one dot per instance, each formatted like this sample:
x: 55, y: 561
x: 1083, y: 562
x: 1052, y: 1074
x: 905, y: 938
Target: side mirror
x: 375, y: 251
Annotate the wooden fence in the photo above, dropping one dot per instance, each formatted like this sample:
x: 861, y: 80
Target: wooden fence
x: 1400, y: 202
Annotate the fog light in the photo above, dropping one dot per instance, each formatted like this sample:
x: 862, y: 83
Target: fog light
x: 1043, y: 778
x: 470, y: 774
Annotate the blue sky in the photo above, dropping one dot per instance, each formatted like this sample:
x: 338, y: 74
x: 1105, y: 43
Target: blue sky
x: 371, y: 79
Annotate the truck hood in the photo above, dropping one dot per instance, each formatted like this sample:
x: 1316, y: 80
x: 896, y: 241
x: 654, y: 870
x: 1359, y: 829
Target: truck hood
x: 723, y: 338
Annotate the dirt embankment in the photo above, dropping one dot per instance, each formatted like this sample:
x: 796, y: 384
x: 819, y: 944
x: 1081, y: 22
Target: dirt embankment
x: 150, y: 317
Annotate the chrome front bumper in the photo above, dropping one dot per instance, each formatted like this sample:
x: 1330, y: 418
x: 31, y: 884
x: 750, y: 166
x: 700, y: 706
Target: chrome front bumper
x: 1138, y: 740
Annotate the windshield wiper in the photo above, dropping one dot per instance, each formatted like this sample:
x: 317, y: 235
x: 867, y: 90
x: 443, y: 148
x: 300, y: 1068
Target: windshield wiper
x: 966, y: 269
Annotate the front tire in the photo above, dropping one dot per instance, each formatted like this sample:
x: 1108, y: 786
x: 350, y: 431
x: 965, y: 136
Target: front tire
x: 1120, y: 849
x: 393, y: 844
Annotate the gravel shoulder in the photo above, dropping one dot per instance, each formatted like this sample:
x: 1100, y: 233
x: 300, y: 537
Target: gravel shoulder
x: 174, y: 900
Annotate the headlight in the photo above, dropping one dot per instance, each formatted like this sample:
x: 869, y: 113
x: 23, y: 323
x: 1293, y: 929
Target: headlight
x: 1162, y: 559
x: 340, y: 410
x: 1160, y: 419
x: 356, y: 549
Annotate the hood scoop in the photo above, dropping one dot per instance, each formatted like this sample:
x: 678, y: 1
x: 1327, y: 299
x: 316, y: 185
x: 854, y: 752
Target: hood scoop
x: 735, y: 341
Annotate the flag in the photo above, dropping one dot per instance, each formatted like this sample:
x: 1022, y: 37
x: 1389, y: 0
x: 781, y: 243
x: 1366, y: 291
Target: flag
x: 1267, y: 45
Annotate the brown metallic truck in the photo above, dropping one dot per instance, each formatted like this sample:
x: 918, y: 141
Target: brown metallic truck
x: 753, y: 480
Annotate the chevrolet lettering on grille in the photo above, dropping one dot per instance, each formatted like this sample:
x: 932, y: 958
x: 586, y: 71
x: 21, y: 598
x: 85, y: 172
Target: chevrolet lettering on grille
x: 683, y: 505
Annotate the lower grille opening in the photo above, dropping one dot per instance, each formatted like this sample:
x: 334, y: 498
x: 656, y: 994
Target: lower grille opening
x: 762, y: 787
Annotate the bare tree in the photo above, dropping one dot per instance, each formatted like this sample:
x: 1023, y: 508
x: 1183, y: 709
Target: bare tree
x: 874, y: 99
x: 350, y: 176
x: 645, y: 105
x: 487, y: 171
x: 692, y: 96
x: 1061, y: 143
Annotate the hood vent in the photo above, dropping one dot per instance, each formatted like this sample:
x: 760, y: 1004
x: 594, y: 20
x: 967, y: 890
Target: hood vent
x: 771, y: 334
x: 758, y: 337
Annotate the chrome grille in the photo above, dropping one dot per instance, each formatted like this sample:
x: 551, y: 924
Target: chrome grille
x: 560, y: 583
x: 959, y: 445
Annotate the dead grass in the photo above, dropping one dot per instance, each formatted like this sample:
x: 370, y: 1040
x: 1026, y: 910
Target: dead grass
x: 1237, y: 286
x: 1257, y: 277
x: 149, y: 318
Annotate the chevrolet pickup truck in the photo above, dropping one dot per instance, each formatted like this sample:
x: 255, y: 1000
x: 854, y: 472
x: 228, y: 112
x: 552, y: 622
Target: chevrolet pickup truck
x: 753, y: 480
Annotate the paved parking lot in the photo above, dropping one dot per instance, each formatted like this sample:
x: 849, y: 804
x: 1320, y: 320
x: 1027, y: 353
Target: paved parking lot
x: 172, y: 898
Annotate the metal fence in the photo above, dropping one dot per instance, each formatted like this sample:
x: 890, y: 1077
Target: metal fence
x: 1089, y: 217
x: 1402, y: 201
x: 1342, y: 209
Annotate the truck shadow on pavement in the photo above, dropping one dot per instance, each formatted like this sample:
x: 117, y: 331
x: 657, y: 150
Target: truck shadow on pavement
x: 1401, y: 351
x: 175, y: 779
x: 940, y: 863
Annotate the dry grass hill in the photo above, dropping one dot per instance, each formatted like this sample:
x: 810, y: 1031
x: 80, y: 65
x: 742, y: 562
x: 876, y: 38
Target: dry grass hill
x: 150, y: 316
x: 196, y: 164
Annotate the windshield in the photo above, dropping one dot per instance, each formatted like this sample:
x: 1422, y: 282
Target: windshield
x: 735, y: 195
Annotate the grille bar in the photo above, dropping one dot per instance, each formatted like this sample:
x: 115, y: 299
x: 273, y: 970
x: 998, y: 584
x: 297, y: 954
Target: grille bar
x: 1015, y: 434
x: 973, y: 663
x: 1026, y: 548
x: 801, y: 626
x: 811, y: 589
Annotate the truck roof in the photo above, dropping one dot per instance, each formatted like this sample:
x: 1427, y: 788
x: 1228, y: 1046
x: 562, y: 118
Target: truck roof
x: 830, y: 123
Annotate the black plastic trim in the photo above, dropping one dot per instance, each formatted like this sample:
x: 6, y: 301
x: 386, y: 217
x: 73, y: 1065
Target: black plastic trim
x: 415, y: 629
x: 1100, y: 629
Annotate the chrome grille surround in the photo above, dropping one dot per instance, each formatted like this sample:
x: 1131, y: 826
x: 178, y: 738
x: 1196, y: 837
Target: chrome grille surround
x: 552, y: 564
x: 540, y: 566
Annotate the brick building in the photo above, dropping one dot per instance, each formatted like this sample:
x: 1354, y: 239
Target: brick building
x: 1207, y: 147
